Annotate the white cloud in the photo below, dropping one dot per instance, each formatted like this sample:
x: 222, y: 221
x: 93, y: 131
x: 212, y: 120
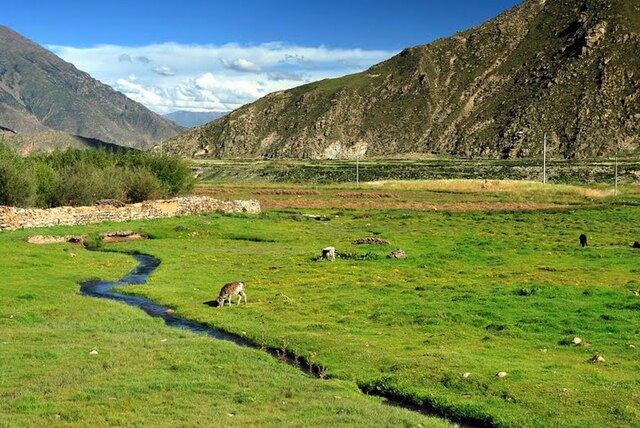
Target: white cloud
x: 164, y: 70
x: 170, y: 76
x: 241, y: 65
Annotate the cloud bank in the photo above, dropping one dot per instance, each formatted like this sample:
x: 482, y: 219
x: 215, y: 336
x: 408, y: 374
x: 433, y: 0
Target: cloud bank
x: 168, y: 77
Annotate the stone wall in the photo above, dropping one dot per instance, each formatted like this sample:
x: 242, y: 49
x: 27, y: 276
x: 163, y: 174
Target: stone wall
x: 12, y: 218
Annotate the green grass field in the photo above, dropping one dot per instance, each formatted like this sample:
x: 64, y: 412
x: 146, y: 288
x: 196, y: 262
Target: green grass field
x: 145, y: 374
x: 481, y: 292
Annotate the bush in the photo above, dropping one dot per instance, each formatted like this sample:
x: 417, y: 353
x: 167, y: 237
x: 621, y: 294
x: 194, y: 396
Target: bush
x: 46, y: 185
x: 17, y: 185
x: 83, y: 177
x: 142, y: 185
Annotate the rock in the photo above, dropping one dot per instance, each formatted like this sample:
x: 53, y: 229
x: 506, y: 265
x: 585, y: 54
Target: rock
x: 586, y: 344
x: 597, y: 359
x: 370, y: 241
x: 576, y: 341
x: 466, y: 375
x: 398, y: 254
x: 501, y: 375
x: 636, y: 292
x: 170, y: 311
x: 93, y: 352
x: 632, y: 346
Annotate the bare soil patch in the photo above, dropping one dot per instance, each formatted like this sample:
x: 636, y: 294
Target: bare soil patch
x: 286, y: 192
x: 366, y: 195
x: 122, y: 236
x: 208, y: 192
x: 416, y: 206
x: 49, y: 239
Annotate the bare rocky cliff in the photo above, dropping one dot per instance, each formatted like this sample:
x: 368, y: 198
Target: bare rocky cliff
x: 40, y: 92
x: 565, y: 68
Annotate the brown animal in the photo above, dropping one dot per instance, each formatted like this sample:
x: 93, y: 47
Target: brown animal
x: 229, y: 290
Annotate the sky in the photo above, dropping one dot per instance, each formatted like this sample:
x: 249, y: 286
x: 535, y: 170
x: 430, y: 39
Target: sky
x: 210, y: 55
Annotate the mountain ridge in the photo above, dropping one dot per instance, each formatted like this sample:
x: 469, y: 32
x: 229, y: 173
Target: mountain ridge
x: 565, y: 68
x: 190, y: 119
x: 40, y: 92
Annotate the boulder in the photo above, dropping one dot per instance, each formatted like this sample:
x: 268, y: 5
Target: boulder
x: 398, y: 254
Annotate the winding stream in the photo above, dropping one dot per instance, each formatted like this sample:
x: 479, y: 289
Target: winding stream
x: 148, y: 264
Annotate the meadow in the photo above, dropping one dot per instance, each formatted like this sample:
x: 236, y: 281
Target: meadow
x: 495, y: 281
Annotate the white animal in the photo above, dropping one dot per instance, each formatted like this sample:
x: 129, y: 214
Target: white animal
x: 328, y: 253
x: 229, y: 290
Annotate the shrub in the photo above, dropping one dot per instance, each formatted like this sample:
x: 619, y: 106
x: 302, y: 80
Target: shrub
x: 142, y: 185
x: 17, y: 185
x: 46, y: 185
x: 82, y: 177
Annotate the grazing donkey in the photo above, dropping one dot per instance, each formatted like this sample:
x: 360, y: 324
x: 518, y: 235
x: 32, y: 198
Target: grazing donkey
x: 229, y: 290
x: 583, y: 240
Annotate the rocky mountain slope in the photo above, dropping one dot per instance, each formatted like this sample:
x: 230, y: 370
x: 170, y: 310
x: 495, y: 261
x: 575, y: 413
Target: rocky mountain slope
x: 48, y: 141
x: 567, y: 68
x: 40, y: 92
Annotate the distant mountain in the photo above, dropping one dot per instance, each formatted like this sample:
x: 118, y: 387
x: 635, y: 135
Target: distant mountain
x: 40, y: 92
x: 190, y: 119
x: 566, y: 68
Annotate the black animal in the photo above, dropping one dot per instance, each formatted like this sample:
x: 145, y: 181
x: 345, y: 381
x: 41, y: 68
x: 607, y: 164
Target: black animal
x: 636, y: 244
x: 583, y: 240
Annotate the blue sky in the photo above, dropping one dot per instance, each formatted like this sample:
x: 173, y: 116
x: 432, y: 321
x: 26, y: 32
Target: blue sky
x: 209, y: 55
x: 389, y: 25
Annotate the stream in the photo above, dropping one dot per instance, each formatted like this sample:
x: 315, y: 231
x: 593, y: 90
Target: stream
x: 148, y: 264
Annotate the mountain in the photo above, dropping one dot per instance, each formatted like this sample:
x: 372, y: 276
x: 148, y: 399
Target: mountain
x: 190, y: 119
x: 566, y: 68
x: 40, y: 92
x: 48, y: 141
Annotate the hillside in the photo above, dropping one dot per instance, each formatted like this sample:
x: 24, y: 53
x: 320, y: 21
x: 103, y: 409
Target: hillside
x: 568, y: 68
x: 48, y: 141
x: 40, y: 92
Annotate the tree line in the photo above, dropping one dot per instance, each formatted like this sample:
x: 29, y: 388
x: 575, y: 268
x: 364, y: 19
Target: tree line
x: 83, y: 177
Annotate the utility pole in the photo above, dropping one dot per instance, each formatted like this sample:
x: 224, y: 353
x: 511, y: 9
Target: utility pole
x: 615, y: 186
x: 544, y: 160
